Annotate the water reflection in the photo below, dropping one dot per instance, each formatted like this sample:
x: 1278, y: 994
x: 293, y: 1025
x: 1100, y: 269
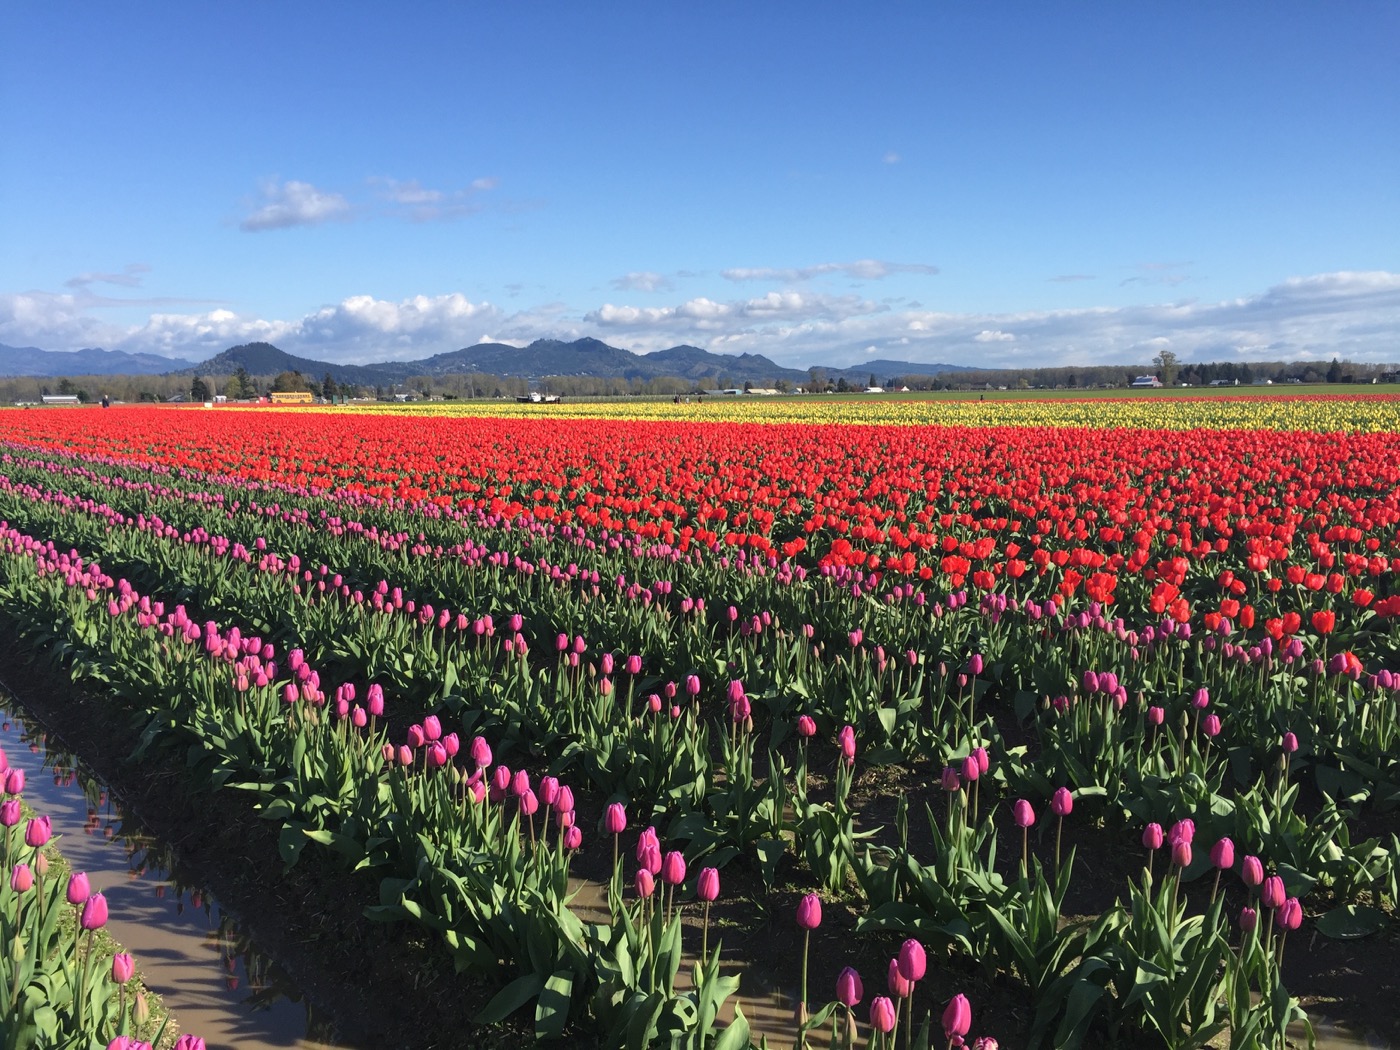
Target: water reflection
x: 189, y: 950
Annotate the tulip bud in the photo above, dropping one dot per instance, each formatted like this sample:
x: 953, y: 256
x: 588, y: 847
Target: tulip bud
x: 1062, y: 803
x: 847, y: 740
x: 21, y: 878
x: 573, y: 837
x: 1181, y: 854
x: 1152, y: 836
x: 1249, y: 918
x: 1272, y: 894
x: 38, y: 831
x: 806, y: 727
x: 1290, y: 914
x: 1290, y: 743
x: 645, y: 883
x: 673, y: 868
x: 189, y: 1042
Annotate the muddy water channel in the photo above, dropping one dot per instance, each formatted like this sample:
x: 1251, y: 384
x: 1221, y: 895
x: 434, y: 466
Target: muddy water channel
x: 188, y: 949
x: 211, y: 976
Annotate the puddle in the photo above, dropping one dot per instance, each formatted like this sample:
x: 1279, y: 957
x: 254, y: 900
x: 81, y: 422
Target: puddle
x: 189, y: 951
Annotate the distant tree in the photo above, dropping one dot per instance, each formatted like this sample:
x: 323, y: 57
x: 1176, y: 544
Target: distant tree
x: 328, y: 387
x: 748, y: 385
x: 782, y: 386
x: 873, y: 380
x: 842, y: 386
x: 288, y: 382
x: 1167, y: 367
x: 199, y: 390
x: 817, y: 377
x: 1334, y: 371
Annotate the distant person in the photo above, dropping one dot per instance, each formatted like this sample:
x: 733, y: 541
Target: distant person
x: 106, y: 401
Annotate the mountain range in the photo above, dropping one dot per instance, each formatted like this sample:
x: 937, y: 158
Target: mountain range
x: 543, y: 357
x: 31, y: 361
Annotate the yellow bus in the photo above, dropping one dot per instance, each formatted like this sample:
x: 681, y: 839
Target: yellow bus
x: 290, y: 397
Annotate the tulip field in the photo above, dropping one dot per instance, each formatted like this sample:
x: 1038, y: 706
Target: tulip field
x: 917, y: 662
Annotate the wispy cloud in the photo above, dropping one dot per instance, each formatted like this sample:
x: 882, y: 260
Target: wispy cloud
x: 861, y: 269
x: 292, y: 203
x: 643, y: 281
x: 891, y: 157
x: 130, y: 277
x: 412, y: 200
x: 1068, y: 278
x: 1169, y: 274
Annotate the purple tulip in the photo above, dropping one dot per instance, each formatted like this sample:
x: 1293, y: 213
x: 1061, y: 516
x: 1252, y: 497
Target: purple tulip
x: 957, y: 1017
x: 1152, y: 836
x: 1222, y: 854
x: 809, y: 912
x: 615, y: 821
x: 1273, y: 893
x: 94, y: 915
x: 1024, y: 814
x: 1062, y: 804
x: 123, y: 966
x: 707, y: 886
x: 913, y: 962
x: 1252, y: 871
x: 673, y: 868
x: 849, y: 989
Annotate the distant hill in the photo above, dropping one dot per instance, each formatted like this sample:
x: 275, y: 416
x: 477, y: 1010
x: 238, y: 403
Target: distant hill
x: 542, y: 358
x: 31, y: 361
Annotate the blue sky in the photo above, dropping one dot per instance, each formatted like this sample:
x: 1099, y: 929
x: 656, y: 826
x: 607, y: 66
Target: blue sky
x: 999, y: 183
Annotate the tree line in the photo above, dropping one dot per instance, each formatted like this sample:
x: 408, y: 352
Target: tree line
x: 240, y: 386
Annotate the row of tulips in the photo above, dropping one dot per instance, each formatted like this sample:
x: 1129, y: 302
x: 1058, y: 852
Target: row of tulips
x: 414, y: 790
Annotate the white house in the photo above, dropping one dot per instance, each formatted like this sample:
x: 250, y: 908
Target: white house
x: 1146, y: 381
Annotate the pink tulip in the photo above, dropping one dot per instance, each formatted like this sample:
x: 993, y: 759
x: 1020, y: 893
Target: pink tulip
x: 806, y: 727
x: 1252, y: 871
x: 1062, y: 804
x: 846, y: 738
x: 650, y: 859
x: 94, y: 915
x: 950, y: 780
x: 1182, y: 831
x: 1024, y: 814
x: 1249, y: 918
x: 673, y: 868
x: 10, y: 812
x: 1181, y: 854
x: 38, y: 831
x: 707, y: 888
x: 79, y: 888
x: 645, y: 883
x: 900, y: 986
x: 21, y: 878
x: 189, y: 1042
x: 957, y: 1017
x: 633, y: 665
x: 615, y: 820
x: 882, y: 1015
x: 1290, y: 743
x: 573, y: 837
x: 1222, y: 854
x: 913, y: 962
x: 1152, y: 836
x: 122, y: 967
x: 849, y: 990
x: 809, y: 912
x: 970, y: 769
x: 1272, y: 894
x: 1290, y: 914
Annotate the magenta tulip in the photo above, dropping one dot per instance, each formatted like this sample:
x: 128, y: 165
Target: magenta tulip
x: 882, y: 1015
x: 94, y: 915
x: 1272, y: 894
x: 673, y: 868
x: 1062, y: 804
x: 38, y: 831
x: 123, y: 966
x: 849, y: 990
x: 913, y: 962
x: 707, y: 887
x: 1252, y: 871
x: 1024, y: 814
x: 1222, y: 854
x: 616, y: 819
x: 809, y: 912
x: 79, y: 889
x: 957, y: 1017
x: 900, y: 986
x: 1152, y: 836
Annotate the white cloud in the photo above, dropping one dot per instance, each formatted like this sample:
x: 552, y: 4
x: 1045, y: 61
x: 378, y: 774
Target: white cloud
x: 294, y: 203
x: 861, y: 269
x: 1344, y: 314
x: 891, y: 157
